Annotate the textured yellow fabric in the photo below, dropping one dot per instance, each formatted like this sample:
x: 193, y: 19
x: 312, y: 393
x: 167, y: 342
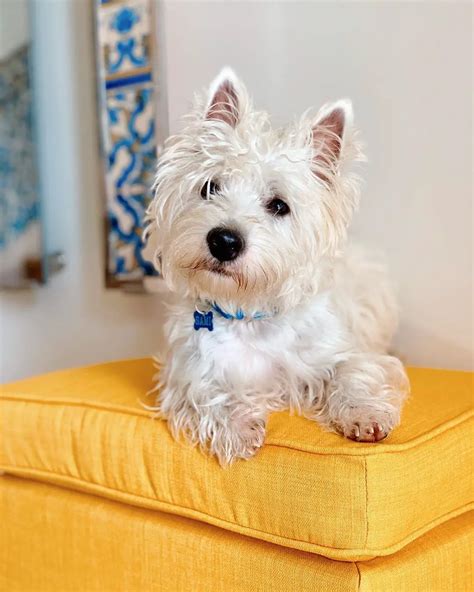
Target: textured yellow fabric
x: 306, y: 489
x: 57, y: 540
x: 439, y: 561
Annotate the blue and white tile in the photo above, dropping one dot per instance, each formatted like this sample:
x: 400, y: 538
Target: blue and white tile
x: 128, y: 124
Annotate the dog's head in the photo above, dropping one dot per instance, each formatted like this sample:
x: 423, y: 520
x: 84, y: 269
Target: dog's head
x: 247, y: 214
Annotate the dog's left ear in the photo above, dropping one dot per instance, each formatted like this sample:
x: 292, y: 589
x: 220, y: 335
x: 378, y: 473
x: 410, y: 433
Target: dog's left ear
x: 225, y: 98
x: 329, y: 133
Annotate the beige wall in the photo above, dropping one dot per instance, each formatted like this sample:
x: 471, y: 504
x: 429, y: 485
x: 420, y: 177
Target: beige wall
x: 407, y: 68
x: 14, y: 29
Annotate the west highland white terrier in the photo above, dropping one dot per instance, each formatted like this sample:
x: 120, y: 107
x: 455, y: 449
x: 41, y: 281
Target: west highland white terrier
x: 274, y: 310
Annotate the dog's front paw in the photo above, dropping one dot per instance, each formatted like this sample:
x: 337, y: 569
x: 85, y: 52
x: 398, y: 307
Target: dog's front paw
x: 365, y: 397
x: 228, y: 435
x: 367, y: 424
x: 239, y: 440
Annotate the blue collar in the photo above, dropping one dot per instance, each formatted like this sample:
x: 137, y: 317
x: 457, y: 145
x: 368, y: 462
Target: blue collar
x: 204, y: 320
x: 239, y: 314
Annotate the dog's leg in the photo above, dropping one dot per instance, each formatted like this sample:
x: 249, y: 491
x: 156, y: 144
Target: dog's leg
x: 223, y: 425
x: 364, y: 398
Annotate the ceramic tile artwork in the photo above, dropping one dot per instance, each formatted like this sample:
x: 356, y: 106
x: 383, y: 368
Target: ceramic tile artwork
x: 20, y: 233
x: 125, y: 54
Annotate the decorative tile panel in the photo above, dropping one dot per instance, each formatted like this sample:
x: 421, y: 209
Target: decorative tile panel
x: 127, y: 102
x: 20, y: 233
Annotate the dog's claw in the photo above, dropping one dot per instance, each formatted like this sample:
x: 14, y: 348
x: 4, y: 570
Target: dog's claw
x: 379, y: 433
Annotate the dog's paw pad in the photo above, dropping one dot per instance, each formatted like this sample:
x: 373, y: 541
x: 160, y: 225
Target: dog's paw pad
x: 367, y: 432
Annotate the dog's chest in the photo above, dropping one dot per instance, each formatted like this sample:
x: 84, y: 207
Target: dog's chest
x: 252, y: 354
x: 244, y: 352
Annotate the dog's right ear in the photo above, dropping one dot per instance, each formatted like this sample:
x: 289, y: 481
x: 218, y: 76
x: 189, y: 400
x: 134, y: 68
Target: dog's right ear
x: 225, y: 98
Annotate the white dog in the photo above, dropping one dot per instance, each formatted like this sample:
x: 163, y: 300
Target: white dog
x: 273, y: 310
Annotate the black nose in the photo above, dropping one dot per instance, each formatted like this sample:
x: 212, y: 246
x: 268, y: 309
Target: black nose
x: 225, y: 244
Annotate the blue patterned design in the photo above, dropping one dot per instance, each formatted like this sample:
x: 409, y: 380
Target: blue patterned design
x: 128, y: 130
x: 127, y: 50
x: 19, y: 197
x: 110, y: 84
x: 124, y: 20
x: 131, y: 163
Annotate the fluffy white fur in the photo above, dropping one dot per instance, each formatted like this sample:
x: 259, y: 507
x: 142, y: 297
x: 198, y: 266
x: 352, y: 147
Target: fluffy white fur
x: 322, y: 351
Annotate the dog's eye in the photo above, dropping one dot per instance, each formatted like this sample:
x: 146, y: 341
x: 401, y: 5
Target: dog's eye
x: 209, y: 188
x: 278, y: 207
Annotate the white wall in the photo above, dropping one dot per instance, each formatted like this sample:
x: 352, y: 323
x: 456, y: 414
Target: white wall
x: 407, y: 68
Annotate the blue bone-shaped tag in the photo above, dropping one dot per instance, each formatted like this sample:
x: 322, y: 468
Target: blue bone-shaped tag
x: 203, y: 320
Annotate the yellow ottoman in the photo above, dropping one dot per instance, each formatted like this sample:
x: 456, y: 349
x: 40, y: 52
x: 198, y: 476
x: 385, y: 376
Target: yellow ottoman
x: 97, y: 496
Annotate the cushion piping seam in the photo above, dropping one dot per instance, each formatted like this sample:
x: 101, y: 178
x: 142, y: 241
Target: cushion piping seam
x: 425, y: 528
x: 359, y: 583
x: 420, y: 439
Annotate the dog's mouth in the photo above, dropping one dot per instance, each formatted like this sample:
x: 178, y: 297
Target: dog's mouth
x: 212, y: 266
x: 219, y: 269
x: 225, y: 270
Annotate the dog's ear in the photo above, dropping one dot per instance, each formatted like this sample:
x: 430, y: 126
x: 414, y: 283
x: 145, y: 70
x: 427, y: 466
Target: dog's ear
x: 225, y: 98
x: 329, y: 132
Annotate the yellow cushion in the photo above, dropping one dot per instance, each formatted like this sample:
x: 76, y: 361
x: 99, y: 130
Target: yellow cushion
x: 306, y: 489
x: 54, y: 539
